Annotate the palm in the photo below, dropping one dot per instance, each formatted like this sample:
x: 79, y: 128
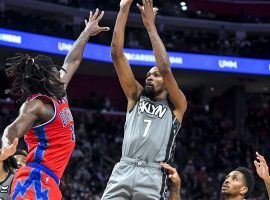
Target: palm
x: 263, y: 172
x: 92, y: 24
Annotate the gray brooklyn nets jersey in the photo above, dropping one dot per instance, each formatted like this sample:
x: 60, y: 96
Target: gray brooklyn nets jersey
x: 5, y: 187
x: 150, y: 131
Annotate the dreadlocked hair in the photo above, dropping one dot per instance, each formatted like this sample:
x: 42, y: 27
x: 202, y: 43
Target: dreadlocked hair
x: 33, y: 75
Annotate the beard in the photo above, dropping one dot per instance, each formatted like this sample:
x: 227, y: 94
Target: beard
x: 149, y: 92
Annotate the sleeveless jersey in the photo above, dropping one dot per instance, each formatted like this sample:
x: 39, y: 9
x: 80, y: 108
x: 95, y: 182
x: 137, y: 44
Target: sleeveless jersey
x: 52, y: 143
x: 150, y: 131
x: 5, y: 187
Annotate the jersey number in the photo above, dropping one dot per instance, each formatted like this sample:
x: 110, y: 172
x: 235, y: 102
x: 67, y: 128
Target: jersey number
x: 146, y: 131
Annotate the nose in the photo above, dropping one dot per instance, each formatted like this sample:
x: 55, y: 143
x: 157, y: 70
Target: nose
x: 149, y: 78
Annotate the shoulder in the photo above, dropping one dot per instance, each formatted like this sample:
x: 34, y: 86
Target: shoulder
x: 34, y: 106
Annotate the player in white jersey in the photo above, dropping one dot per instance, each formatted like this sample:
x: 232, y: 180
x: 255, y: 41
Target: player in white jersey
x: 154, y: 116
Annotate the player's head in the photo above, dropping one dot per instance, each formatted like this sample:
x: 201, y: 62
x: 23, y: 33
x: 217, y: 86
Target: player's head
x: 238, y: 183
x: 20, y: 157
x: 154, y: 84
x: 34, y: 75
x: 9, y: 164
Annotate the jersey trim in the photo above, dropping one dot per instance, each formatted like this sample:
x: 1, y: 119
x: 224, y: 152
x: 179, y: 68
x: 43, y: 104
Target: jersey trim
x: 174, y: 130
x: 52, y: 119
x: 43, y: 144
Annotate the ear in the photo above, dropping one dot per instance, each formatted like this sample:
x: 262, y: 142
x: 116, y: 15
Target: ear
x: 243, y: 190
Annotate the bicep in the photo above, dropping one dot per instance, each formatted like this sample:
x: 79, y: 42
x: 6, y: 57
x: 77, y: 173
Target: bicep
x: 176, y: 96
x: 30, y: 111
x: 131, y: 87
x: 22, y: 124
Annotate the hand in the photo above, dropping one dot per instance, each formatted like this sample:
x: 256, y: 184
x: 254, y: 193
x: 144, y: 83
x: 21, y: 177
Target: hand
x: 10, y: 150
x: 148, y: 13
x: 92, y: 25
x: 173, y: 175
x: 124, y: 3
x: 262, y: 167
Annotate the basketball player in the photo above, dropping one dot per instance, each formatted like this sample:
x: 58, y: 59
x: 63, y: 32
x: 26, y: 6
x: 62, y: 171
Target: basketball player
x: 154, y: 116
x: 6, y: 176
x: 263, y: 171
x: 20, y: 156
x: 238, y: 184
x: 45, y: 119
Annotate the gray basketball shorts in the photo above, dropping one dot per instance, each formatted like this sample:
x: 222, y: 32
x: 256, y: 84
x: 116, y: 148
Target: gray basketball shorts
x: 135, y: 179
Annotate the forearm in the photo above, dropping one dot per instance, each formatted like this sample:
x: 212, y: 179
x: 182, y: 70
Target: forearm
x: 118, y: 38
x: 267, y: 185
x: 160, y: 53
x: 75, y: 54
x: 175, y: 193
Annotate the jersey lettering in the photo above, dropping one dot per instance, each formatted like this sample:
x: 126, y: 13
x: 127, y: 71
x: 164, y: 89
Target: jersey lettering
x: 66, y: 116
x: 145, y: 106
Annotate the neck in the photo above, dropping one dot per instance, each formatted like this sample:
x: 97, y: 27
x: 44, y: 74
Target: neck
x: 161, y: 96
x: 234, y: 198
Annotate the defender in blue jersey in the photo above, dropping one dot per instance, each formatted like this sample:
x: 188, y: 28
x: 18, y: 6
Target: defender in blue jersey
x: 154, y: 116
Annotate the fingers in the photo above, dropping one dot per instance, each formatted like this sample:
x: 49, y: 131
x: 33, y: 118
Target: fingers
x: 261, y: 158
x: 168, y: 167
x: 100, y: 16
x: 155, y: 9
x: 90, y: 16
x: 104, y: 28
x: 95, y: 14
x: 140, y: 7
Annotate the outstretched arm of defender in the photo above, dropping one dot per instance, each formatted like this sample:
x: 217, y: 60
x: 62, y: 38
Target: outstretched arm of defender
x: 130, y: 86
x: 162, y: 59
x: 263, y: 171
x: 29, y: 113
x: 176, y: 181
x: 75, y: 55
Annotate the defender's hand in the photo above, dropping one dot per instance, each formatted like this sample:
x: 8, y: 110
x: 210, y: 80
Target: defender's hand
x: 92, y: 24
x: 173, y: 175
x: 262, y: 167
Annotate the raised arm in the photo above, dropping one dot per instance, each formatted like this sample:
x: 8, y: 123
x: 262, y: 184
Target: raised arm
x: 263, y: 171
x: 29, y: 113
x: 162, y: 59
x: 75, y: 55
x: 130, y: 86
x: 176, y: 181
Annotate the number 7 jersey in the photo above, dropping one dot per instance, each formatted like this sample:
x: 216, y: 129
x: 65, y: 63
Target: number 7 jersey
x: 150, y: 131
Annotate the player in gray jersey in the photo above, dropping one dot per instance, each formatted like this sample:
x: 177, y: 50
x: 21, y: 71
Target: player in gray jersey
x: 6, y: 176
x: 154, y: 116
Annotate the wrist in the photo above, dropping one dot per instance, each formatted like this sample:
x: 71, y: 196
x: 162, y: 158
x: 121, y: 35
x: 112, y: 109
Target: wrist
x: 125, y: 7
x: 151, y: 28
x: 267, y: 180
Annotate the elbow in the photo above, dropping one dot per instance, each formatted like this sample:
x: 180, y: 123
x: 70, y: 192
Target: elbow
x: 115, y: 53
x: 165, y: 68
x: 11, y: 132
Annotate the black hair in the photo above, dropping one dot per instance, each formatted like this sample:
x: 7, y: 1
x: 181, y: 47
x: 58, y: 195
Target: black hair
x: 249, y: 179
x: 32, y: 75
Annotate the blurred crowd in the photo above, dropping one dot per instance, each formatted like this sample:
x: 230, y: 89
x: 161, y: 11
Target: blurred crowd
x: 208, y: 147
x: 193, y: 40
x: 168, y: 8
